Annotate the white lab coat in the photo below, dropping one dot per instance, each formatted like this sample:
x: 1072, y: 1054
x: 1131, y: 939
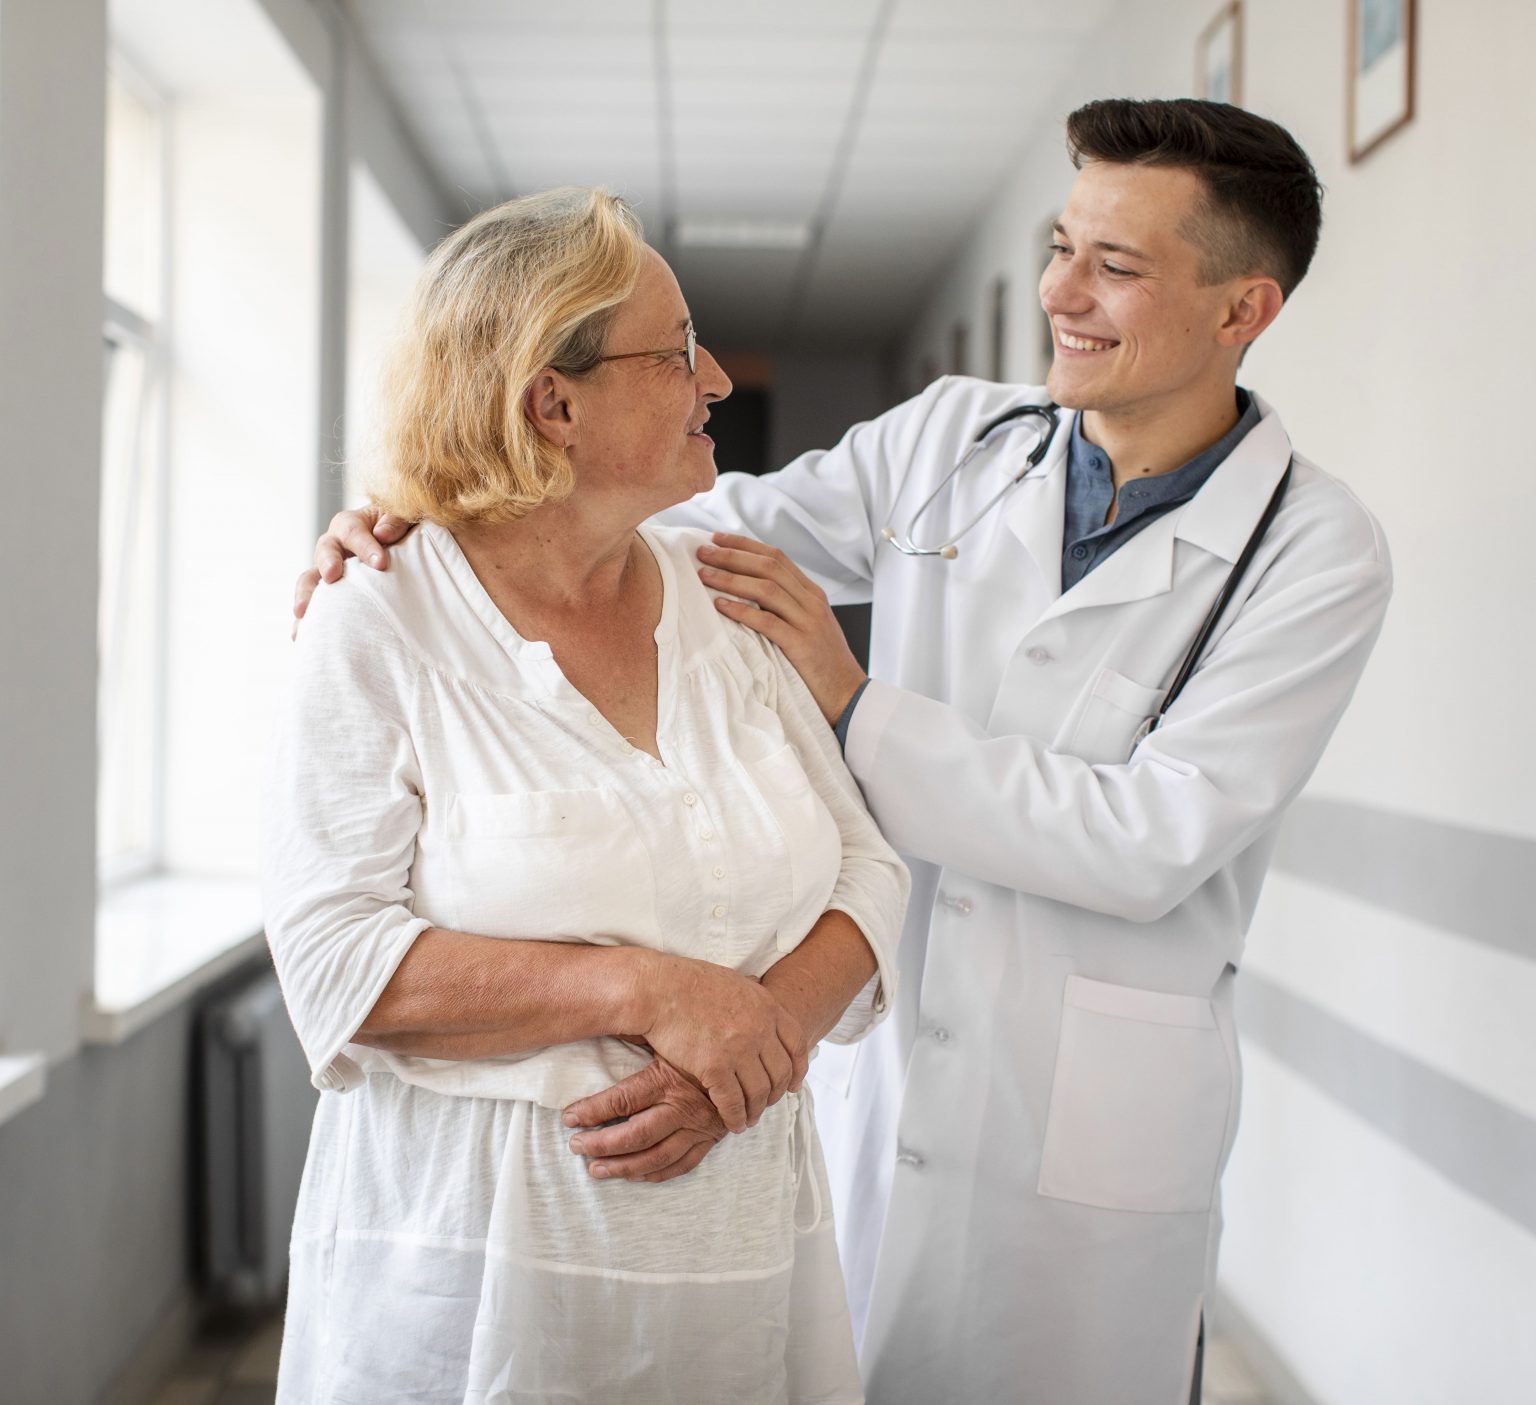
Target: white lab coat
x: 1026, y: 1159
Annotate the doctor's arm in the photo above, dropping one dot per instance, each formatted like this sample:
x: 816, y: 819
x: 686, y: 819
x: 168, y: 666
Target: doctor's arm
x: 1131, y: 839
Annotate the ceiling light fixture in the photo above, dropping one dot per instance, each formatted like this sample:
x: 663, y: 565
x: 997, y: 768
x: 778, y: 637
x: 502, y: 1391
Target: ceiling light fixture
x: 742, y: 234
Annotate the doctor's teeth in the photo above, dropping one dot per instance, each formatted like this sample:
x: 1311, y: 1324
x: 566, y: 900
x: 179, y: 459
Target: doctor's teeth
x: 1083, y: 343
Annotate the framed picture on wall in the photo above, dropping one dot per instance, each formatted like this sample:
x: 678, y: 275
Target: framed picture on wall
x: 1219, y: 57
x: 1380, y: 82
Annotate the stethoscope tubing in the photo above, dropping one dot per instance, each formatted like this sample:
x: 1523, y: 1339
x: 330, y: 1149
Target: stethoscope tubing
x: 1049, y: 414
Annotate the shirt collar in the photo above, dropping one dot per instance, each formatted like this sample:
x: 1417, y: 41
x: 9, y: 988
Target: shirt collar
x: 1188, y: 478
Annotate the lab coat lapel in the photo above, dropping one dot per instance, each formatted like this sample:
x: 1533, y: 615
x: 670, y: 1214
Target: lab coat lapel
x: 1036, y: 509
x: 1222, y: 515
x: 1218, y: 519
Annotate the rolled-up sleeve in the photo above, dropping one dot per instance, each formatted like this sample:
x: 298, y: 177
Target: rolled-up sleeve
x: 341, y: 815
x: 872, y: 884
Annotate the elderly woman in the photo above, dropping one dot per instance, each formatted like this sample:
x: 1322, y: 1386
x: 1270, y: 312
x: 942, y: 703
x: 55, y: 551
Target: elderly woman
x: 543, y: 819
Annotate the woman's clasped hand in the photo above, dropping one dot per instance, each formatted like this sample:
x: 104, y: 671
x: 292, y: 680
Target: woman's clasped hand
x: 727, y: 1033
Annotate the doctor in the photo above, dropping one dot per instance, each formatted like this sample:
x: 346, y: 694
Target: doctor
x: 1027, y: 1157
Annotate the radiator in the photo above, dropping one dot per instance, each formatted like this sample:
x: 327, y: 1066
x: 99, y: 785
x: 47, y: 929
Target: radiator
x: 256, y: 1108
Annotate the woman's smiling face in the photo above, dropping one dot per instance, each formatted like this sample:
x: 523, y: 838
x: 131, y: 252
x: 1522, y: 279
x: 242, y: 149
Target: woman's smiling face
x: 640, y: 420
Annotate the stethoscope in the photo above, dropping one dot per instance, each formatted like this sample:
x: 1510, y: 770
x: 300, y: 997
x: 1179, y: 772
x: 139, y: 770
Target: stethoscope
x: 1049, y: 416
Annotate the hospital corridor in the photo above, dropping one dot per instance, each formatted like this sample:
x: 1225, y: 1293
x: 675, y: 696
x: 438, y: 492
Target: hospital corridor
x: 1019, y: 891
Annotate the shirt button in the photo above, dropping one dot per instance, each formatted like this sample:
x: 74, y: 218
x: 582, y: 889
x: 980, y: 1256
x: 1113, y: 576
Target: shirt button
x: 690, y: 799
x: 718, y: 910
x: 1079, y: 553
x: 718, y: 871
x: 906, y: 1157
x: 962, y: 906
x: 595, y: 718
x: 706, y: 834
x: 1041, y: 656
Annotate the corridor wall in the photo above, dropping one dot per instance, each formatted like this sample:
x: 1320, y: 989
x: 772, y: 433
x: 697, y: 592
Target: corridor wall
x: 1381, y: 1201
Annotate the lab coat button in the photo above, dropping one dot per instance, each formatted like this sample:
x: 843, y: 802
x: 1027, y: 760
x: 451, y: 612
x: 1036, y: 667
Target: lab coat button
x: 1040, y: 656
x: 906, y: 1157
x: 962, y: 907
x: 939, y: 1034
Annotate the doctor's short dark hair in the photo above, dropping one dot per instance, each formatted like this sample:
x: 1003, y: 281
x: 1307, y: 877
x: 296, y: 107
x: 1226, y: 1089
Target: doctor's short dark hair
x: 1263, y: 207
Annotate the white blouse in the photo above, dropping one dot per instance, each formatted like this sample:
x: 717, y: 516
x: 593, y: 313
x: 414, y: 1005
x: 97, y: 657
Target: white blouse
x: 434, y: 768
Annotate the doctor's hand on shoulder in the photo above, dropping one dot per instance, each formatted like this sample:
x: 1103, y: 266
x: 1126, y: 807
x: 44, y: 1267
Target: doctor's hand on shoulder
x: 364, y: 532
x: 782, y: 603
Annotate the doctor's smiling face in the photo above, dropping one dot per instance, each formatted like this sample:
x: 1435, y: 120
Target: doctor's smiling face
x: 1189, y: 225
x: 1139, y: 325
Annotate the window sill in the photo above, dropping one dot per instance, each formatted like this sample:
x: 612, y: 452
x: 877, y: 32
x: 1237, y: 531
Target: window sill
x: 160, y: 941
x: 21, y: 1082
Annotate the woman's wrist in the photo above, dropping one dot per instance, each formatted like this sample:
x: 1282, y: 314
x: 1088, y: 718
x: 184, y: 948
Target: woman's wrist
x: 638, y: 978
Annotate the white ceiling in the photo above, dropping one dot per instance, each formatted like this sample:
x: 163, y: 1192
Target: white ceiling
x: 887, y: 123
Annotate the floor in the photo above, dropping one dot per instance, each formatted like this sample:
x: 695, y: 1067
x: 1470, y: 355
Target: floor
x: 239, y: 1367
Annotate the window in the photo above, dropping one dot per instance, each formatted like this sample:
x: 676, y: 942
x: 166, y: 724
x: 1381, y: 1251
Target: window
x: 131, y: 615
x: 383, y: 263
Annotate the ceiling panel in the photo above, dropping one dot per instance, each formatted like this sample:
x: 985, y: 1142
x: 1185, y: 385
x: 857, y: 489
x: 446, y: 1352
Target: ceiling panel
x: 788, y: 17
x: 894, y: 119
x: 1015, y: 20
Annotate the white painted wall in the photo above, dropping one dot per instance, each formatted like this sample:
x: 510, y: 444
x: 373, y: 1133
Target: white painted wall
x: 1399, y: 366
x: 53, y: 79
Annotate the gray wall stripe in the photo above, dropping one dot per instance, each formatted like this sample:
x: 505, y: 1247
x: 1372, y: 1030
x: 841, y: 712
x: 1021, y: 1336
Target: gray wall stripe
x: 1483, y: 1146
x: 1477, y: 883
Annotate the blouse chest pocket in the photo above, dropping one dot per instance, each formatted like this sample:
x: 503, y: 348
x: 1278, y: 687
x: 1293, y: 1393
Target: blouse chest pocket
x: 811, y: 835
x: 1112, y: 719
x: 550, y: 864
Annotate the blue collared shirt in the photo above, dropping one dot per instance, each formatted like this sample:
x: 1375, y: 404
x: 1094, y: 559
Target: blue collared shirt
x: 1085, y: 540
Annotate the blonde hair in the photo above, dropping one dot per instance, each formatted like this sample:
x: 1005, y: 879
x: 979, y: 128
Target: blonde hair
x: 530, y: 284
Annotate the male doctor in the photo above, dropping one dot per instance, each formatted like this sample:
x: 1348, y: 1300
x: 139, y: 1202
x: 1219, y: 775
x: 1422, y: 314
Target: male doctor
x: 1026, y: 1158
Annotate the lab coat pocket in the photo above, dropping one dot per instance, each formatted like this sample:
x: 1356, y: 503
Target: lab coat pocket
x: 1113, y: 715
x: 815, y: 848
x: 549, y: 864
x: 1140, y: 1101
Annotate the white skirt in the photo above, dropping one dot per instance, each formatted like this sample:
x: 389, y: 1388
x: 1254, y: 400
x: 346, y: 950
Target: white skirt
x: 453, y: 1251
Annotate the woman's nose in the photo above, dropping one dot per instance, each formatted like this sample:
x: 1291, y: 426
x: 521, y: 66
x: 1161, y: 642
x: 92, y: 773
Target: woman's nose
x: 714, y: 384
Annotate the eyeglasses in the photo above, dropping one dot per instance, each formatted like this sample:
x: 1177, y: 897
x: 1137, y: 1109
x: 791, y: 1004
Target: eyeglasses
x: 689, y: 350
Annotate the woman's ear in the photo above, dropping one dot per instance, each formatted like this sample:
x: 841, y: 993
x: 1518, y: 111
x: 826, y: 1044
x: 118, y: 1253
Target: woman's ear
x: 550, y: 405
